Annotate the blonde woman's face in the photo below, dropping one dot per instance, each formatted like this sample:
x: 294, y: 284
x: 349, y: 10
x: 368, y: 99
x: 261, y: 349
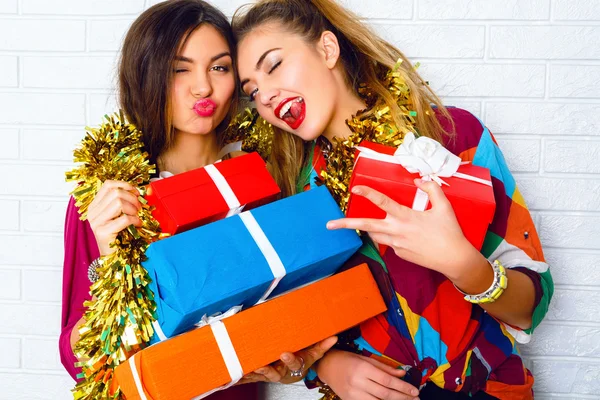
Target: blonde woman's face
x: 204, y: 82
x: 288, y: 79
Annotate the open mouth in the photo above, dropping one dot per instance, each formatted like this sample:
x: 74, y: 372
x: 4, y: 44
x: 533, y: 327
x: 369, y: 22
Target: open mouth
x: 291, y: 111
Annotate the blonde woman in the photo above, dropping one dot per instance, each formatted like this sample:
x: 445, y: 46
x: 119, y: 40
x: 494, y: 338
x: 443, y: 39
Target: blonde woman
x: 304, y: 63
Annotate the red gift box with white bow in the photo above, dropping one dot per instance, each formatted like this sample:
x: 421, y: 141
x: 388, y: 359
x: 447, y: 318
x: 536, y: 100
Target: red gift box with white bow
x: 198, y: 197
x: 392, y: 171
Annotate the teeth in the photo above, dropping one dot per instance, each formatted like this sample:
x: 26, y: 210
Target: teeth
x: 286, y: 107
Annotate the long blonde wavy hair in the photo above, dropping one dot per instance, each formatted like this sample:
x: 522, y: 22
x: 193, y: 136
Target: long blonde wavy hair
x: 365, y: 56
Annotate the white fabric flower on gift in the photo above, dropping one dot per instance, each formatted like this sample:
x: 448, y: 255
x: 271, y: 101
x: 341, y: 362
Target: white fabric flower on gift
x: 427, y: 157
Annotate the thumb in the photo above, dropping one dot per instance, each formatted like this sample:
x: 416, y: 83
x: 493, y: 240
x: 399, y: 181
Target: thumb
x: 316, y: 352
x: 434, y: 191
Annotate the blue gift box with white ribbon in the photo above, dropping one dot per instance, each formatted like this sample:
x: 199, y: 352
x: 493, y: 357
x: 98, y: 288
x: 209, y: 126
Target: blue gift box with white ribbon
x: 246, y: 258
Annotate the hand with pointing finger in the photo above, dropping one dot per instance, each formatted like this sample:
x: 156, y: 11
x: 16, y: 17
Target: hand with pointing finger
x: 431, y: 238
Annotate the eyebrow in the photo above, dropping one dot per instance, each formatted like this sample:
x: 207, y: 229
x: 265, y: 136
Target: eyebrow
x: 259, y: 64
x: 213, y: 59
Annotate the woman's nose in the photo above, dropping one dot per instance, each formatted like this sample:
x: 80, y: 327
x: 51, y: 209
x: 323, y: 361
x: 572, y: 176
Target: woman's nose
x: 202, y: 86
x: 268, y: 96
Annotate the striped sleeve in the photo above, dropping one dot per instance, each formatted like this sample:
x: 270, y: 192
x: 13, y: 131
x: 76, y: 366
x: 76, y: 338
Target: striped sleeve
x: 512, y: 238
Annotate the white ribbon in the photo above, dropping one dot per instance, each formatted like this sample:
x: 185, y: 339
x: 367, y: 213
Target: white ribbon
x: 206, y: 320
x: 428, y: 158
x: 230, y: 148
x: 223, y: 186
x: 136, y: 378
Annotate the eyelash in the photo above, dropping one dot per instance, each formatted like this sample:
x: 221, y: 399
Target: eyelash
x: 252, y: 95
x: 218, y: 68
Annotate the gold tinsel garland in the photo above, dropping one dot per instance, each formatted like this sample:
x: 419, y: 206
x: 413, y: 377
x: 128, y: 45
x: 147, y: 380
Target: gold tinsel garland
x: 252, y: 130
x: 118, y: 320
x: 375, y: 124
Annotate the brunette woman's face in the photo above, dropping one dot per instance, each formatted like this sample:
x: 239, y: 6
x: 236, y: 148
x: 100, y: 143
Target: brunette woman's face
x: 291, y: 81
x: 203, y: 82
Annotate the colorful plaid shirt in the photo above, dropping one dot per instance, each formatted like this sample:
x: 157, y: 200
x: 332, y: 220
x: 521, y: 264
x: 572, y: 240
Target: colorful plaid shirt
x: 429, y: 329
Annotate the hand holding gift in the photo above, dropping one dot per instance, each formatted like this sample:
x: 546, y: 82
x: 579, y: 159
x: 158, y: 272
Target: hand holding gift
x: 291, y: 367
x: 423, y: 202
x: 432, y: 239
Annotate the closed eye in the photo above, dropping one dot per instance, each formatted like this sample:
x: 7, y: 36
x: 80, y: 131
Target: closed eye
x: 274, y: 67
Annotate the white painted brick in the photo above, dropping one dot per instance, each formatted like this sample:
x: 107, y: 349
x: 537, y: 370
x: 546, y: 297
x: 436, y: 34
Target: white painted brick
x: 438, y: 41
x: 397, y: 9
x: 27, y: 319
x: 570, y: 231
x: 568, y: 42
x: 575, y: 81
x: 543, y: 118
x: 572, y: 156
x: 9, y: 215
x: 69, y: 72
x: 107, y: 35
x: 570, y: 268
x: 571, y: 341
x: 34, y: 180
x: 87, y: 7
x: 472, y: 107
x: 41, y: 354
x: 10, y: 284
x: 291, y: 392
x: 485, y: 79
x: 50, y: 144
x: 42, y: 285
x: 489, y: 9
x: 41, y: 386
x: 10, y: 348
x: 560, y: 194
x: 42, y: 35
x: 575, y: 305
x: 8, y: 71
x: 576, y: 10
x: 10, y: 144
x: 31, y: 250
x: 522, y: 155
x: 568, y: 377
x: 43, y: 216
x: 42, y: 108
x: 100, y: 105
x: 8, y: 6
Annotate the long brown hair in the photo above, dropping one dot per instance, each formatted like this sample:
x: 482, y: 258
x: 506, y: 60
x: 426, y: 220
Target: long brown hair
x: 147, y: 61
x: 365, y: 56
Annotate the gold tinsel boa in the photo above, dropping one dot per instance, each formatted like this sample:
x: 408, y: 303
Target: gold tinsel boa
x: 375, y: 124
x: 118, y: 321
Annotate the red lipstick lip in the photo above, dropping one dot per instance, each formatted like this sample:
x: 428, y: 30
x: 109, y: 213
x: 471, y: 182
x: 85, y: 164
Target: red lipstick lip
x: 205, y: 107
x: 299, y: 120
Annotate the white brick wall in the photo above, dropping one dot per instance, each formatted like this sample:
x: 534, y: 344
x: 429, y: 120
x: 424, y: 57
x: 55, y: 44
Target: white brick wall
x: 530, y: 69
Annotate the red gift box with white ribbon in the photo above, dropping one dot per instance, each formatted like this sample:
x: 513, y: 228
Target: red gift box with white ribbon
x: 198, y: 197
x: 392, y: 171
